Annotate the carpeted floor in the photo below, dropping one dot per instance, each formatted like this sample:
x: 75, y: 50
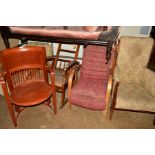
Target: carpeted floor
x: 42, y: 117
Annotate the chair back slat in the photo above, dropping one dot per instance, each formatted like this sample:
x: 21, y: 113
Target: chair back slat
x: 24, y: 64
x: 29, y: 74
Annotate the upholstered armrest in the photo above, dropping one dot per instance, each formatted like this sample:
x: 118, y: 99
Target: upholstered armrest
x: 149, y: 81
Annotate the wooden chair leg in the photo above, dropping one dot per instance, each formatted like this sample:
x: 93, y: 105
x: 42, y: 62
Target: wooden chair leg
x: 12, y: 113
x: 111, y: 113
x: 17, y: 108
x: 47, y: 103
x: 62, y: 98
x: 54, y: 103
x: 112, y: 108
x: 154, y: 121
x: 70, y: 106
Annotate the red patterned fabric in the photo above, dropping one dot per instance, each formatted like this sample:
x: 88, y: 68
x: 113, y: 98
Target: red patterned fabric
x: 90, y: 91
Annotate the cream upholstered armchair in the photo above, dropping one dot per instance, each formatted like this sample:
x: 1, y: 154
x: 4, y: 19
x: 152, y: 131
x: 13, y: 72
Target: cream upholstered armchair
x: 134, y: 83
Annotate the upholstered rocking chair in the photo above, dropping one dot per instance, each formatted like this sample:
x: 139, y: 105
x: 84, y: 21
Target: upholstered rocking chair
x: 93, y: 89
x: 24, y: 79
x: 134, y: 83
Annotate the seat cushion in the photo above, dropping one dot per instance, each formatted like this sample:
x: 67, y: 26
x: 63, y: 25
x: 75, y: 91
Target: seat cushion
x: 31, y: 94
x: 89, y: 93
x: 134, y: 97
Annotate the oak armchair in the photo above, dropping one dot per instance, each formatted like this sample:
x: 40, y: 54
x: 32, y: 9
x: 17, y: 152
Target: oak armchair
x: 24, y: 79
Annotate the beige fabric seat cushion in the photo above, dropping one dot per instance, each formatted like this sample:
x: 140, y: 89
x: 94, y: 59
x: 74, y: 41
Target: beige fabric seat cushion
x: 135, y: 97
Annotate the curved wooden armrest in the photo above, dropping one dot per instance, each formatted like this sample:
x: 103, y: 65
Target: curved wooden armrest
x: 50, y: 70
x: 70, y: 79
x: 112, y: 89
x: 109, y: 89
x: 71, y: 64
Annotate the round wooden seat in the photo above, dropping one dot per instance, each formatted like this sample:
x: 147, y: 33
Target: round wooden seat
x: 31, y: 94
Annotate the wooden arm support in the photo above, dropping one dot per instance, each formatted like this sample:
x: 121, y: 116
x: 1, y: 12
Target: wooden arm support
x: 52, y: 76
x: 71, y: 64
x: 50, y: 58
x: 114, y: 97
x: 70, y: 79
x: 4, y: 86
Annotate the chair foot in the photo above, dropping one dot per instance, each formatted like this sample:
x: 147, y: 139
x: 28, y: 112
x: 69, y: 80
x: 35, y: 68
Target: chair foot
x: 47, y: 103
x: 13, y: 117
x: 17, y: 108
x: 111, y: 114
x: 54, y: 104
x: 63, y: 104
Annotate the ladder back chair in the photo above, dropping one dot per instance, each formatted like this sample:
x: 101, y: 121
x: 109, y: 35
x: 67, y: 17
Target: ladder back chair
x: 62, y: 63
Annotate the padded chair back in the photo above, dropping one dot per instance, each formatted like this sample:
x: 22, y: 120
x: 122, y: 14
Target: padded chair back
x: 133, y: 57
x: 24, y: 65
x: 94, y: 64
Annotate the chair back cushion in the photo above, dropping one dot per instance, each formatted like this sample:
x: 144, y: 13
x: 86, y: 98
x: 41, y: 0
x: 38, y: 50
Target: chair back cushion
x: 94, y: 63
x: 133, y: 57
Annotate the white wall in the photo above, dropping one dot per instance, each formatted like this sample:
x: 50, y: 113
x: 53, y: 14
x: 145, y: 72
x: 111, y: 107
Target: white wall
x: 133, y: 31
x: 69, y: 47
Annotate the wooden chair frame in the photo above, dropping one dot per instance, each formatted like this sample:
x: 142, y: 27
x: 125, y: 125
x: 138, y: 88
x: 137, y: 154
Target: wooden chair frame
x: 16, y: 109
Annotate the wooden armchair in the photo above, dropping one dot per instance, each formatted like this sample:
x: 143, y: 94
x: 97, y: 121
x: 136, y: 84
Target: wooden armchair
x: 25, y: 79
x: 134, y: 83
x: 93, y: 89
x: 62, y: 66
